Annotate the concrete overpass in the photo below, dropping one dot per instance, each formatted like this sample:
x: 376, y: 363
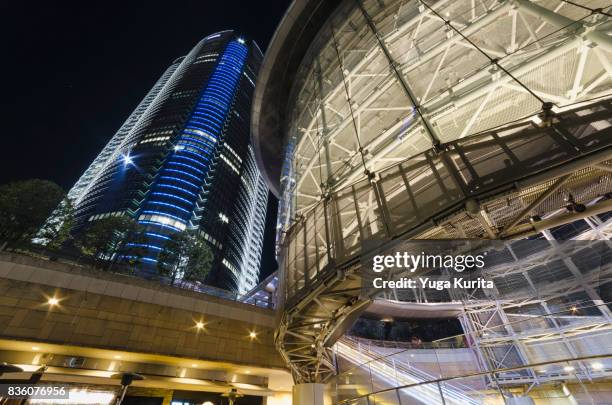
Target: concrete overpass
x: 86, y: 325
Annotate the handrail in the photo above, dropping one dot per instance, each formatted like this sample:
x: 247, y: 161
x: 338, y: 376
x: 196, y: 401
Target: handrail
x: 398, y: 344
x: 479, y: 374
x: 412, y: 198
x: 445, y: 166
x: 385, y: 358
x: 406, y: 372
x: 42, y: 254
x: 403, y: 366
x: 456, y: 144
x: 469, y: 334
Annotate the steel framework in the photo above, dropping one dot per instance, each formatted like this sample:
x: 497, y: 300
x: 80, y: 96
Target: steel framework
x: 490, y: 186
x: 444, y: 120
x: 386, y: 80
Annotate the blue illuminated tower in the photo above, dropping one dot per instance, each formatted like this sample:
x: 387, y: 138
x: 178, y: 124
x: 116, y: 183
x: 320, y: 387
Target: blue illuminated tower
x: 183, y: 160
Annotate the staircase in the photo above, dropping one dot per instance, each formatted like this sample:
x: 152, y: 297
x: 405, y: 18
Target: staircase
x: 389, y: 368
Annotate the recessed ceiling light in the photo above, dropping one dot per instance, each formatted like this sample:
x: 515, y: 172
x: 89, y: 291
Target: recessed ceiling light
x: 52, y: 301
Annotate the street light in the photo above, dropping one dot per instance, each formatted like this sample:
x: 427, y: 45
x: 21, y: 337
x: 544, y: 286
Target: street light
x: 37, y: 375
x: 126, y: 380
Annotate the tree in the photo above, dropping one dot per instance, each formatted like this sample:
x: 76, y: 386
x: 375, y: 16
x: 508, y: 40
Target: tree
x: 105, y: 236
x: 199, y: 260
x: 186, y: 256
x: 173, y: 255
x: 24, y: 208
x: 138, y: 250
x: 56, y: 229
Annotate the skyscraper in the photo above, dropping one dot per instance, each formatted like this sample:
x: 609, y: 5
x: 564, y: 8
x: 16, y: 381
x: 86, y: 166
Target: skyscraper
x: 183, y: 160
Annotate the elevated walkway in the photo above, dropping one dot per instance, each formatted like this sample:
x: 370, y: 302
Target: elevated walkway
x: 461, y: 191
x: 85, y: 325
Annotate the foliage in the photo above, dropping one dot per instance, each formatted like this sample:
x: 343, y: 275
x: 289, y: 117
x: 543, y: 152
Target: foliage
x: 24, y: 207
x: 105, y: 236
x: 186, y: 256
x: 56, y: 229
x: 200, y: 261
x: 138, y: 251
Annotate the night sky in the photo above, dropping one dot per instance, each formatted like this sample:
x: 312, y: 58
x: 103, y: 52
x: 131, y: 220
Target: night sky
x: 73, y: 72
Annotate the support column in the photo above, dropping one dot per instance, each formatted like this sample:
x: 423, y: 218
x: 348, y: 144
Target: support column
x: 308, y: 394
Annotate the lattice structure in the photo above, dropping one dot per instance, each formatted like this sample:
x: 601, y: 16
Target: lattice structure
x: 389, y: 79
x: 321, y: 268
x: 439, y: 120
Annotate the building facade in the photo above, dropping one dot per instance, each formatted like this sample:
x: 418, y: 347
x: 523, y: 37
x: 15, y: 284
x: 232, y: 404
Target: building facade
x: 183, y: 161
x: 442, y: 120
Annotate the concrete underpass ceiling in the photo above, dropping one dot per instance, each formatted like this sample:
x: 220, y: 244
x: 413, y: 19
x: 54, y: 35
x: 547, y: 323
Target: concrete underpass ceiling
x: 189, y: 374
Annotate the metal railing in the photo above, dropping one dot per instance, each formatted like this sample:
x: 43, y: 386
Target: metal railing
x: 391, y: 381
x: 409, y: 197
x: 87, y: 263
x: 448, y: 343
x: 375, y: 370
x: 384, y: 369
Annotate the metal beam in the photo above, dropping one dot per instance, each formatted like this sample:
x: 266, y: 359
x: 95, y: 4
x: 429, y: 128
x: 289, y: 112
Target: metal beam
x: 560, y: 21
x: 536, y: 203
x: 537, y: 227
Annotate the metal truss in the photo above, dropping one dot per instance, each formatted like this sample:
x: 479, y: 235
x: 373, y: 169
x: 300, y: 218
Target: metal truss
x: 510, y: 326
x: 517, y: 181
x: 390, y: 80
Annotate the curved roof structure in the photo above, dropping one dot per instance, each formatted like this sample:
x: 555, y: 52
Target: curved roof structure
x: 416, y: 74
x: 292, y: 38
x: 429, y: 119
